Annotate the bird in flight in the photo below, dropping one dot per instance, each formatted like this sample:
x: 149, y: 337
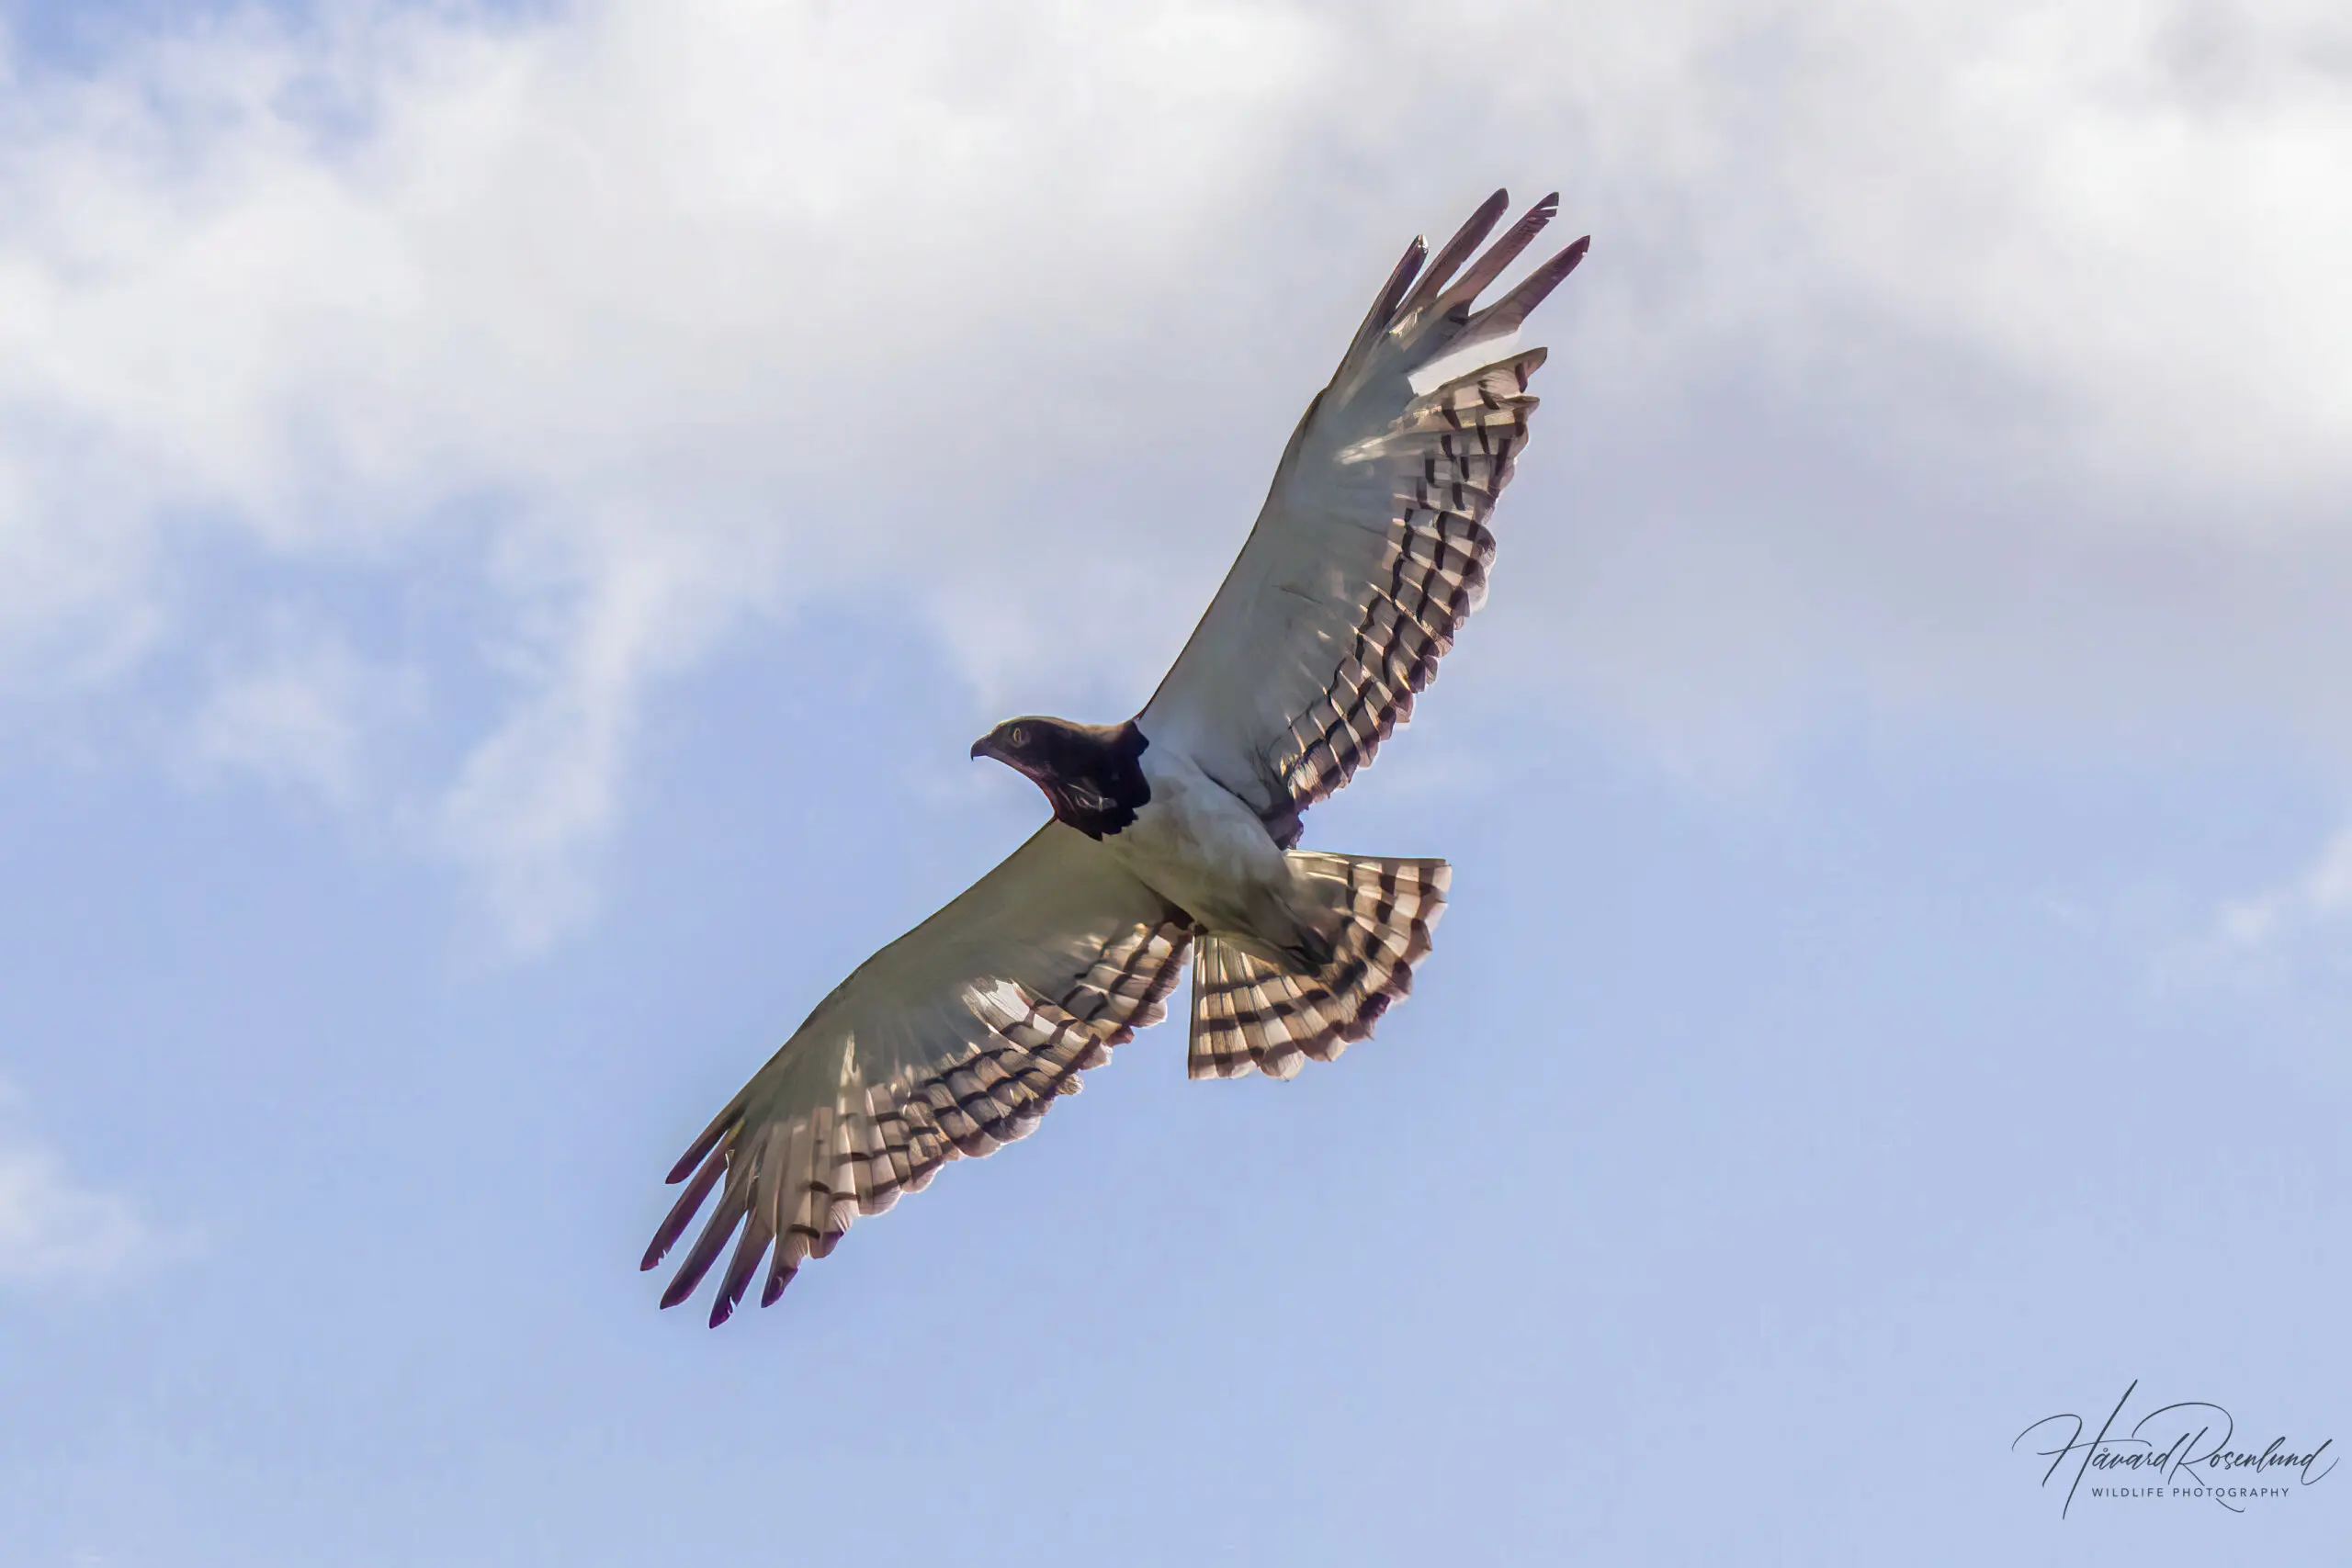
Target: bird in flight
x: 1174, y: 832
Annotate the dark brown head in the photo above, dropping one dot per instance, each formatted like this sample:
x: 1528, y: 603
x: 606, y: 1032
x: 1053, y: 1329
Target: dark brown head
x: 1091, y: 772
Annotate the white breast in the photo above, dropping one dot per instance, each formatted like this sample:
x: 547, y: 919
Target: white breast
x: 1201, y: 848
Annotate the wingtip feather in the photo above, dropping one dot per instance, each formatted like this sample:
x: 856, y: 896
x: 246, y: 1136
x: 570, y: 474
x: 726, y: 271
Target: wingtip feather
x: 1506, y: 315
x: 1502, y: 252
x: 777, y: 1280
x: 1457, y: 250
x: 716, y: 1234
x: 702, y: 1144
x: 681, y: 1212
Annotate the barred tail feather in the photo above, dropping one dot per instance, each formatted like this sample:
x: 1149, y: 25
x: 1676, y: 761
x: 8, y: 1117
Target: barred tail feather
x: 1251, y: 1016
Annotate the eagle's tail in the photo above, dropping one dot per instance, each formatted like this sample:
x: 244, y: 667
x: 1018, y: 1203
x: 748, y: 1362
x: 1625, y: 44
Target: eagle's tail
x: 1250, y: 1015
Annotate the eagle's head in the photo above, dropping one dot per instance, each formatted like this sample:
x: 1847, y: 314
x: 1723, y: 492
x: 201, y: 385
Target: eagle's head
x: 1088, y: 771
x: 1029, y: 745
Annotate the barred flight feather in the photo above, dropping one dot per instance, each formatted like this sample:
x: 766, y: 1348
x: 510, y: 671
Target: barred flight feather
x: 1251, y: 1016
x: 1449, y: 456
x: 791, y: 1179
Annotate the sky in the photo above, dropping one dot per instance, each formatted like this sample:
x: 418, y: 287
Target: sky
x: 510, y: 519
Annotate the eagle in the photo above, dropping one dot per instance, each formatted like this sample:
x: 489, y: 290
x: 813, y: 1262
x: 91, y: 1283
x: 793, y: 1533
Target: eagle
x: 1174, y: 834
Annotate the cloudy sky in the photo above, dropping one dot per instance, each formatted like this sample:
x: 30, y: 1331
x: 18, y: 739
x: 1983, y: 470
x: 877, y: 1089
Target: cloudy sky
x: 510, y: 518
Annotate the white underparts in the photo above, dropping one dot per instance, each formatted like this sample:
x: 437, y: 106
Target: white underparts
x: 1201, y: 848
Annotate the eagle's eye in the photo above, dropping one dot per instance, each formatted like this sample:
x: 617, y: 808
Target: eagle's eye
x: 1019, y: 735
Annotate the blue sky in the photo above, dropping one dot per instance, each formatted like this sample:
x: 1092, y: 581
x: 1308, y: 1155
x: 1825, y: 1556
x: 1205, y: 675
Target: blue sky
x: 512, y: 518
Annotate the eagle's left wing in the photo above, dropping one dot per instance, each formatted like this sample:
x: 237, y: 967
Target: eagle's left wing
x: 1373, y: 547
x: 954, y: 1039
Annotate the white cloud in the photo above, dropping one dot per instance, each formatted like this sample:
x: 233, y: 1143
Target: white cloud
x: 2260, y: 937
x: 669, y: 315
x: 52, y: 1229
x: 301, y: 714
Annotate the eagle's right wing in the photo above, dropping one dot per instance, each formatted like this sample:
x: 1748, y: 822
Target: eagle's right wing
x: 954, y: 1039
x: 1373, y: 545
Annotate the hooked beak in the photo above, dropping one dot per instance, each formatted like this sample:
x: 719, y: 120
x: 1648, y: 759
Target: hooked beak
x: 982, y: 748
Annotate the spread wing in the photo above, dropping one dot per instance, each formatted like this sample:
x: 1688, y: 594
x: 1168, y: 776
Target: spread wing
x: 954, y: 1039
x: 1373, y: 547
